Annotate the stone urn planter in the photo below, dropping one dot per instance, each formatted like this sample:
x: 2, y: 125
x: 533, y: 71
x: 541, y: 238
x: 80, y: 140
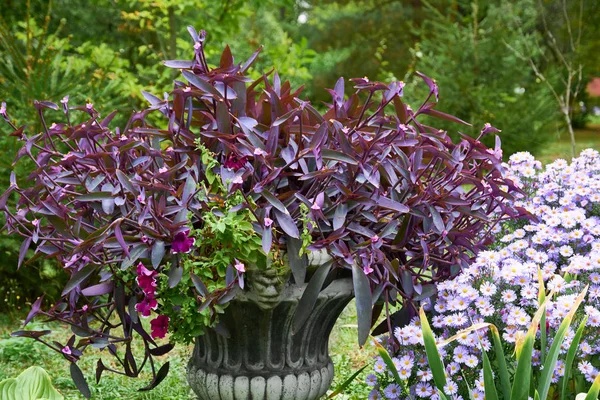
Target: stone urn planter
x: 262, y: 358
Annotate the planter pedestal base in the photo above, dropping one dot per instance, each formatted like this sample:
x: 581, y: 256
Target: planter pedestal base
x: 256, y: 357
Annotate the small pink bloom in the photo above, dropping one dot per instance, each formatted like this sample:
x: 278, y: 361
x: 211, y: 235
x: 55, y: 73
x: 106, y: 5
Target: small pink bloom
x: 89, y: 106
x: 375, y: 239
x: 197, y: 45
x: 240, y: 266
x: 187, y: 89
x: 260, y: 152
x: 268, y: 221
x: 85, y: 307
x: 238, y: 180
x: 315, y: 206
x: 159, y: 326
x: 367, y: 270
x: 65, y: 100
x: 182, y: 243
x: 66, y: 350
x: 53, y: 126
x: 162, y: 170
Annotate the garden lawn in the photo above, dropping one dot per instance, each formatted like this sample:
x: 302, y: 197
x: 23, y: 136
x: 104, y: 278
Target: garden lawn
x: 17, y: 354
x: 586, y: 138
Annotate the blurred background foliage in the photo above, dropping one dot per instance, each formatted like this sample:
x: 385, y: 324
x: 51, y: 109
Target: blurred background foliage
x: 107, y: 51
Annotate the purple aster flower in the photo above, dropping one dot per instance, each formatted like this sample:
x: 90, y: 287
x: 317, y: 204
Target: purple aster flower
x: 371, y: 380
x: 375, y: 395
x: 393, y: 391
x: 182, y: 243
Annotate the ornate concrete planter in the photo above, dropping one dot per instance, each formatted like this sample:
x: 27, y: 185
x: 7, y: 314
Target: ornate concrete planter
x: 261, y: 359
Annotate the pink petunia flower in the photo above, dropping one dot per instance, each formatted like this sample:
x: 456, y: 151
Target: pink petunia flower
x: 159, y: 326
x: 182, y: 243
x: 146, y: 306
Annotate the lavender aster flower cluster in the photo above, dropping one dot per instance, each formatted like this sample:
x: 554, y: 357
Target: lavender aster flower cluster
x: 501, y: 286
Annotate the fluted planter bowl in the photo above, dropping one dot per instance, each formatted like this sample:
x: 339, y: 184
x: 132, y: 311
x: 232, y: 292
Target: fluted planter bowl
x: 261, y: 359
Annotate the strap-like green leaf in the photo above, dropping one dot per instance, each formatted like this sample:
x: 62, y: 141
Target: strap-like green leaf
x: 340, y: 389
x: 385, y: 356
x: 570, y: 357
x: 502, y: 368
x: 594, y: 390
x: 488, y: 378
x: 552, y: 357
x: 433, y: 356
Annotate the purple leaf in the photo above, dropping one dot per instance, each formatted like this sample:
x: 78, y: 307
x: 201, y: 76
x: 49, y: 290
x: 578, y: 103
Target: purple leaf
x: 201, y: 84
x: 158, y: 378
x: 80, y: 381
x: 267, y: 239
x: 79, y: 277
x: 120, y: 239
x: 286, y: 223
x: 274, y: 201
x: 98, y: 290
x: 364, y: 301
x: 35, y: 308
x: 179, y: 64
x: 199, y: 285
x: 23, y: 250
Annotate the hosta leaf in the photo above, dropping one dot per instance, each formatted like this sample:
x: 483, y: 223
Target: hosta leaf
x: 32, y: 384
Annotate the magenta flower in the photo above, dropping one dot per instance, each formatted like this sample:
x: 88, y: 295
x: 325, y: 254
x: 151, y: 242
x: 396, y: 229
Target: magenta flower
x: 66, y: 350
x: 146, y: 306
x: 235, y: 163
x: 182, y: 243
x: 146, y: 279
x: 159, y: 326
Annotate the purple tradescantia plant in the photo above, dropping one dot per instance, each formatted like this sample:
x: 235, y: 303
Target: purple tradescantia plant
x: 395, y: 203
x: 390, y: 199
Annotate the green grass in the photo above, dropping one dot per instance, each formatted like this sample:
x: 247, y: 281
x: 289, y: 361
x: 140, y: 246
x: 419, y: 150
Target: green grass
x: 17, y: 354
x: 588, y: 137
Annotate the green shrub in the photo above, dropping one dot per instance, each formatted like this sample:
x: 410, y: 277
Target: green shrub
x: 465, y: 48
